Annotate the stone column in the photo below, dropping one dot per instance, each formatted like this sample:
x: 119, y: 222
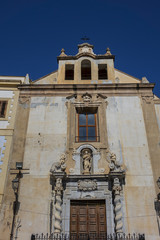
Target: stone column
x: 58, y: 206
x: 117, y: 207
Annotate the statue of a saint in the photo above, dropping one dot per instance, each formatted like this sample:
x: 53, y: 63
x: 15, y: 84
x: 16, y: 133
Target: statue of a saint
x: 87, y: 161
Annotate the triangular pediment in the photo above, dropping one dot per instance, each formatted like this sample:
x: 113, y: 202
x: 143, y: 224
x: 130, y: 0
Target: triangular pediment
x: 122, y: 77
x: 50, y: 78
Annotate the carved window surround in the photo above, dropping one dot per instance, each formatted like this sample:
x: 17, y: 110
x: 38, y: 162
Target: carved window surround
x: 90, y: 101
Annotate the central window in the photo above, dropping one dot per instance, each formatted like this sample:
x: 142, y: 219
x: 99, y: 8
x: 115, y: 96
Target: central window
x: 87, y: 126
x: 85, y: 70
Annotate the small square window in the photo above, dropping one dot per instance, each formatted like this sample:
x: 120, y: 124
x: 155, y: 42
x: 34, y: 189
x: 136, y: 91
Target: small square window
x: 3, y: 108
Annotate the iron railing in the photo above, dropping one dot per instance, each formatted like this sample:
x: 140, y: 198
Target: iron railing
x: 47, y: 236
x: 87, y: 138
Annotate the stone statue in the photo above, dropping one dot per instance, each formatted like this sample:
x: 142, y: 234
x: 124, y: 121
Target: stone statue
x: 113, y: 165
x: 87, y: 161
x: 59, y: 166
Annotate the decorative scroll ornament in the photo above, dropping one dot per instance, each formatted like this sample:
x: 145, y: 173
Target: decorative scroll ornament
x: 113, y: 165
x: 58, y: 206
x: 148, y: 99
x: 117, y: 206
x: 86, y: 161
x: 59, y: 166
x: 87, y: 185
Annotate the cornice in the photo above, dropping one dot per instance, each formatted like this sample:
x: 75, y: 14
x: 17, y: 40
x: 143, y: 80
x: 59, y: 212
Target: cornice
x: 85, y: 54
x: 107, y: 89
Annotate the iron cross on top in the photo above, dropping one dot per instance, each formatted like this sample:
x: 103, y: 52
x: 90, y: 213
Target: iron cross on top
x: 85, y: 38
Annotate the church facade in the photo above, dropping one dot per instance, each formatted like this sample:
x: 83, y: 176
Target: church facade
x: 79, y: 151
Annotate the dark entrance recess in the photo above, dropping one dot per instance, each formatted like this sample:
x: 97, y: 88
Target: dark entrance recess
x: 88, y: 219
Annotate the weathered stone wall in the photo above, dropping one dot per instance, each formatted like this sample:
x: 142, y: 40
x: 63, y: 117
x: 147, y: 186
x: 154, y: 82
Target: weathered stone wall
x: 45, y: 142
x: 6, y: 133
x: 127, y: 138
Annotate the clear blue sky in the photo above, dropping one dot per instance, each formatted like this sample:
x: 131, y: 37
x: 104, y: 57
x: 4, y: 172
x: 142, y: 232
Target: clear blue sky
x: 32, y: 33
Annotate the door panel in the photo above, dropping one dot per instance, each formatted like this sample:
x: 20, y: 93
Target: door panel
x: 88, y: 218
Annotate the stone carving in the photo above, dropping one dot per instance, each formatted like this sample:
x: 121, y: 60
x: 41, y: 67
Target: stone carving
x: 117, y: 206
x: 101, y: 170
x: 62, y: 53
x: 145, y: 80
x: 86, y: 161
x: 59, y: 166
x: 58, y: 206
x: 87, y: 185
x: 113, y: 165
x: 86, y: 97
x: 147, y: 99
x: 108, y: 52
x: 77, y: 157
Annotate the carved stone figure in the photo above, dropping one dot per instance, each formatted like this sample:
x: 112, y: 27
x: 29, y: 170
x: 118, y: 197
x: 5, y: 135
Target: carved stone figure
x: 86, y: 97
x: 87, y: 161
x: 113, y: 165
x: 59, y: 166
x: 117, y: 206
x: 87, y: 185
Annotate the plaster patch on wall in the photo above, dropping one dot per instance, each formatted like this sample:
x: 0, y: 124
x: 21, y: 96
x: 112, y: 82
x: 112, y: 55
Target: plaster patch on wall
x: 2, y: 149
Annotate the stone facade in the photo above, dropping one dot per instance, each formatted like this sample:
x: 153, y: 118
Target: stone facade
x: 118, y: 165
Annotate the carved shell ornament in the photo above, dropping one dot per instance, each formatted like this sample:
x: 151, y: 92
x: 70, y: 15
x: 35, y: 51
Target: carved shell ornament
x: 87, y: 185
x: 87, y: 97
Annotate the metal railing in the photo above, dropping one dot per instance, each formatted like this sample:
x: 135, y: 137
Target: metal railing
x: 47, y: 236
x: 87, y: 138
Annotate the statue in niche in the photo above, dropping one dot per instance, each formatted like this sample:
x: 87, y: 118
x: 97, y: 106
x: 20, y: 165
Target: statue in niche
x: 86, y: 161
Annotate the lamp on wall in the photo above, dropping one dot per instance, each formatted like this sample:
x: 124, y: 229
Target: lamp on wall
x: 15, y: 185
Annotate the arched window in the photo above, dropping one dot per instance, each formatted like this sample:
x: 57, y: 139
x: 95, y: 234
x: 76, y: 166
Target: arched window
x: 85, y: 70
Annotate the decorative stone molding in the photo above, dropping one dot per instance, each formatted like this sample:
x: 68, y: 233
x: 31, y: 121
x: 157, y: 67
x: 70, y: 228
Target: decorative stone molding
x: 58, y: 206
x: 117, y: 206
x: 23, y: 100
x: 99, y: 95
x: 113, y: 164
x: 87, y: 185
x: 147, y: 99
x: 145, y: 80
x: 58, y: 174
x: 59, y: 166
x: 86, y: 97
x: 62, y: 53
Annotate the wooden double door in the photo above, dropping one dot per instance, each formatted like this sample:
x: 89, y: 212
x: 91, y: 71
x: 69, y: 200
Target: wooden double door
x: 88, y: 218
